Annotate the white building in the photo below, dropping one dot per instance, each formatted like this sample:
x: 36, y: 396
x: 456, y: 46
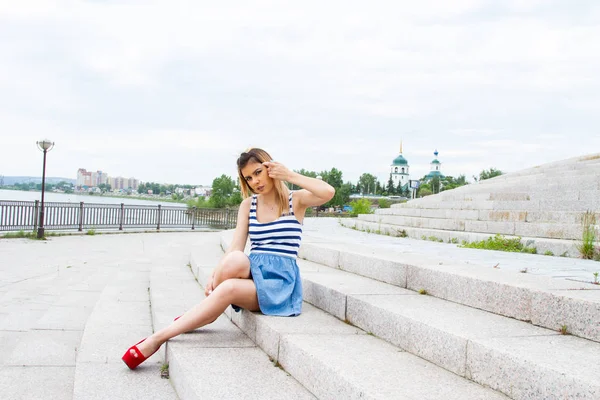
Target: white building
x: 399, y: 170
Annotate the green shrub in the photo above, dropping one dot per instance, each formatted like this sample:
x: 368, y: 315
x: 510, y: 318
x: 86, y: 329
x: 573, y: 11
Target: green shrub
x: 548, y: 253
x: 587, y: 247
x: 360, y: 206
x: 384, y: 203
x: 502, y: 243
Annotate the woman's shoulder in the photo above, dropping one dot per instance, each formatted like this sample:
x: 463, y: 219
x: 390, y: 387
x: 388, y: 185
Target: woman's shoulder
x: 245, y: 204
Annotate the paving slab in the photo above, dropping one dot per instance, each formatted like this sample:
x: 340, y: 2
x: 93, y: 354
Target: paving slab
x: 110, y: 381
x: 36, y: 383
x: 45, y: 348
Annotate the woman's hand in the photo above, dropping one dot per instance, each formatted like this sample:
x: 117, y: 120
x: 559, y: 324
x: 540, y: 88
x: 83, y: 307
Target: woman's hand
x: 209, y: 286
x: 277, y: 170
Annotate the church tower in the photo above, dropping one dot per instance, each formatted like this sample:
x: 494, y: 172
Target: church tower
x: 399, y: 169
x: 436, y: 168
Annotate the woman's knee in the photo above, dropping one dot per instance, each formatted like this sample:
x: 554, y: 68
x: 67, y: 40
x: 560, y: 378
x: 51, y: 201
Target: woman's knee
x: 227, y: 290
x: 235, y: 265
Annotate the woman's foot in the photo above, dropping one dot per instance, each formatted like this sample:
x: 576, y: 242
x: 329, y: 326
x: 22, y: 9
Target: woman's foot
x: 140, y: 352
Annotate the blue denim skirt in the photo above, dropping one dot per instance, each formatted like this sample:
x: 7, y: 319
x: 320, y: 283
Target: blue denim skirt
x: 278, y: 284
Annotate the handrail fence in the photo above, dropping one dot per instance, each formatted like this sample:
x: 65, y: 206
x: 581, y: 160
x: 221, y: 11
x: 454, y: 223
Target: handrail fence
x: 24, y: 215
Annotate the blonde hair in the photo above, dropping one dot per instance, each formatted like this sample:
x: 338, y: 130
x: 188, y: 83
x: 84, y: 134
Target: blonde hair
x: 261, y: 156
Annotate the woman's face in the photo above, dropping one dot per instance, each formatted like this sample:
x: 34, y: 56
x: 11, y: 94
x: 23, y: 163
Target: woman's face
x: 257, y: 177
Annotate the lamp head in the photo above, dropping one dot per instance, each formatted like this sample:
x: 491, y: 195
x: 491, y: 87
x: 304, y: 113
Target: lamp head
x: 45, y: 145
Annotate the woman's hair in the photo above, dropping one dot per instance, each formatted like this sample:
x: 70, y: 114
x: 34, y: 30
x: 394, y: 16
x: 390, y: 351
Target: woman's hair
x: 261, y: 156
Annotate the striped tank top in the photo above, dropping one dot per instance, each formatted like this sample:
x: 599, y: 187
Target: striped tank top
x: 280, y: 237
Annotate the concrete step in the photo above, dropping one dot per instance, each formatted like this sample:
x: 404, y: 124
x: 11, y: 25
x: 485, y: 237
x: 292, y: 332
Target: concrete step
x: 552, y: 204
x: 505, y: 227
x: 557, y: 247
x: 563, y: 217
x: 520, y: 360
x: 217, y: 361
x: 474, y: 344
x: 314, y: 349
x: 545, y: 301
x: 121, y: 317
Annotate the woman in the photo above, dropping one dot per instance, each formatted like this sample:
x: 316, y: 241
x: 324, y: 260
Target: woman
x: 268, y: 279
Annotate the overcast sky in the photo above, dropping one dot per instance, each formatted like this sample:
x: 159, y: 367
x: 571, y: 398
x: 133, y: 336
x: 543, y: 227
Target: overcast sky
x: 173, y: 91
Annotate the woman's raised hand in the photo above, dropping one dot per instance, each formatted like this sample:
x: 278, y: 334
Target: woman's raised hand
x: 277, y: 170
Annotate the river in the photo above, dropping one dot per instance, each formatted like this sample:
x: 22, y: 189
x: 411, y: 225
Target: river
x: 19, y: 195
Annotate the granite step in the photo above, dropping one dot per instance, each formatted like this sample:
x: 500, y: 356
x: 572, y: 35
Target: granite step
x: 563, y: 217
x: 218, y: 361
x: 474, y: 344
x: 333, y: 359
x: 543, y: 300
x: 516, y: 358
x: 551, y: 204
x: 503, y: 225
x: 121, y: 317
x: 556, y: 247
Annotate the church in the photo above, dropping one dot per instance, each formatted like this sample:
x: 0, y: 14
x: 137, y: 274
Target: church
x: 399, y: 170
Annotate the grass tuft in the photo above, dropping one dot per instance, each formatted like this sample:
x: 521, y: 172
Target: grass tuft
x: 501, y: 243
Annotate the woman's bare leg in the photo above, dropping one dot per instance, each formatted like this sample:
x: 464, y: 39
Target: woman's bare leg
x: 241, y: 292
x: 234, y: 265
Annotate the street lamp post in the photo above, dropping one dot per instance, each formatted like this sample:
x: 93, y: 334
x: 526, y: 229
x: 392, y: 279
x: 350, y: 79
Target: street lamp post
x: 45, y: 146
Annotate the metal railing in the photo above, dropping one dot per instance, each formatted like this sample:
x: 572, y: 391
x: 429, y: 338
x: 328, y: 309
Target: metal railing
x: 24, y: 215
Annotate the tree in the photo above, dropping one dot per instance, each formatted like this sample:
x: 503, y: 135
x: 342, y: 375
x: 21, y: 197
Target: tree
x: 400, y: 189
x: 367, y: 183
x: 222, y: 189
x: 450, y: 182
x: 487, y: 174
x: 390, y: 186
x: 333, y: 177
x: 435, y: 184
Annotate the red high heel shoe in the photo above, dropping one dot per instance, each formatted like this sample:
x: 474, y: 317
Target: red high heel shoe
x: 133, y: 361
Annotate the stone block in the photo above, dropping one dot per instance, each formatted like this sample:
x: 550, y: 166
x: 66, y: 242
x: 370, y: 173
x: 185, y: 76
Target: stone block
x: 381, y: 269
x: 326, y: 256
x: 71, y: 318
x: 578, y: 310
x: 509, y: 196
x: 372, y: 369
x: 327, y: 299
x: 49, y: 348
x: 484, y: 289
x: 462, y: 214
x: 504, y: 216
x: 548, y: 230
x: 504, y: 228
x: 541, y: 367
x: 234, y: 373
x: 438, y: 331
x: 246, y: 321
x: 116, y: 381
x: 32, y: 382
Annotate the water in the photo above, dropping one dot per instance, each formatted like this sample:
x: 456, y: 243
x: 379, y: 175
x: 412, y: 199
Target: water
x: 18, y: 195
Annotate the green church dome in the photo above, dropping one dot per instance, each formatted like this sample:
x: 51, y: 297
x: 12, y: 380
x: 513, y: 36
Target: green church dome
x: 435, y: 161
x: 400, y: 160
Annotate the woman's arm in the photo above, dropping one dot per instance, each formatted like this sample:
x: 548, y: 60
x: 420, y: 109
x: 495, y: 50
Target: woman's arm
x: 240, y: 236
x: 316, y: 191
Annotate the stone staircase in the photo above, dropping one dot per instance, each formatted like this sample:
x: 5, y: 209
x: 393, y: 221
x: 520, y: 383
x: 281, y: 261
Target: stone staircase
x: 366, y: 332
x: 542, y: 205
